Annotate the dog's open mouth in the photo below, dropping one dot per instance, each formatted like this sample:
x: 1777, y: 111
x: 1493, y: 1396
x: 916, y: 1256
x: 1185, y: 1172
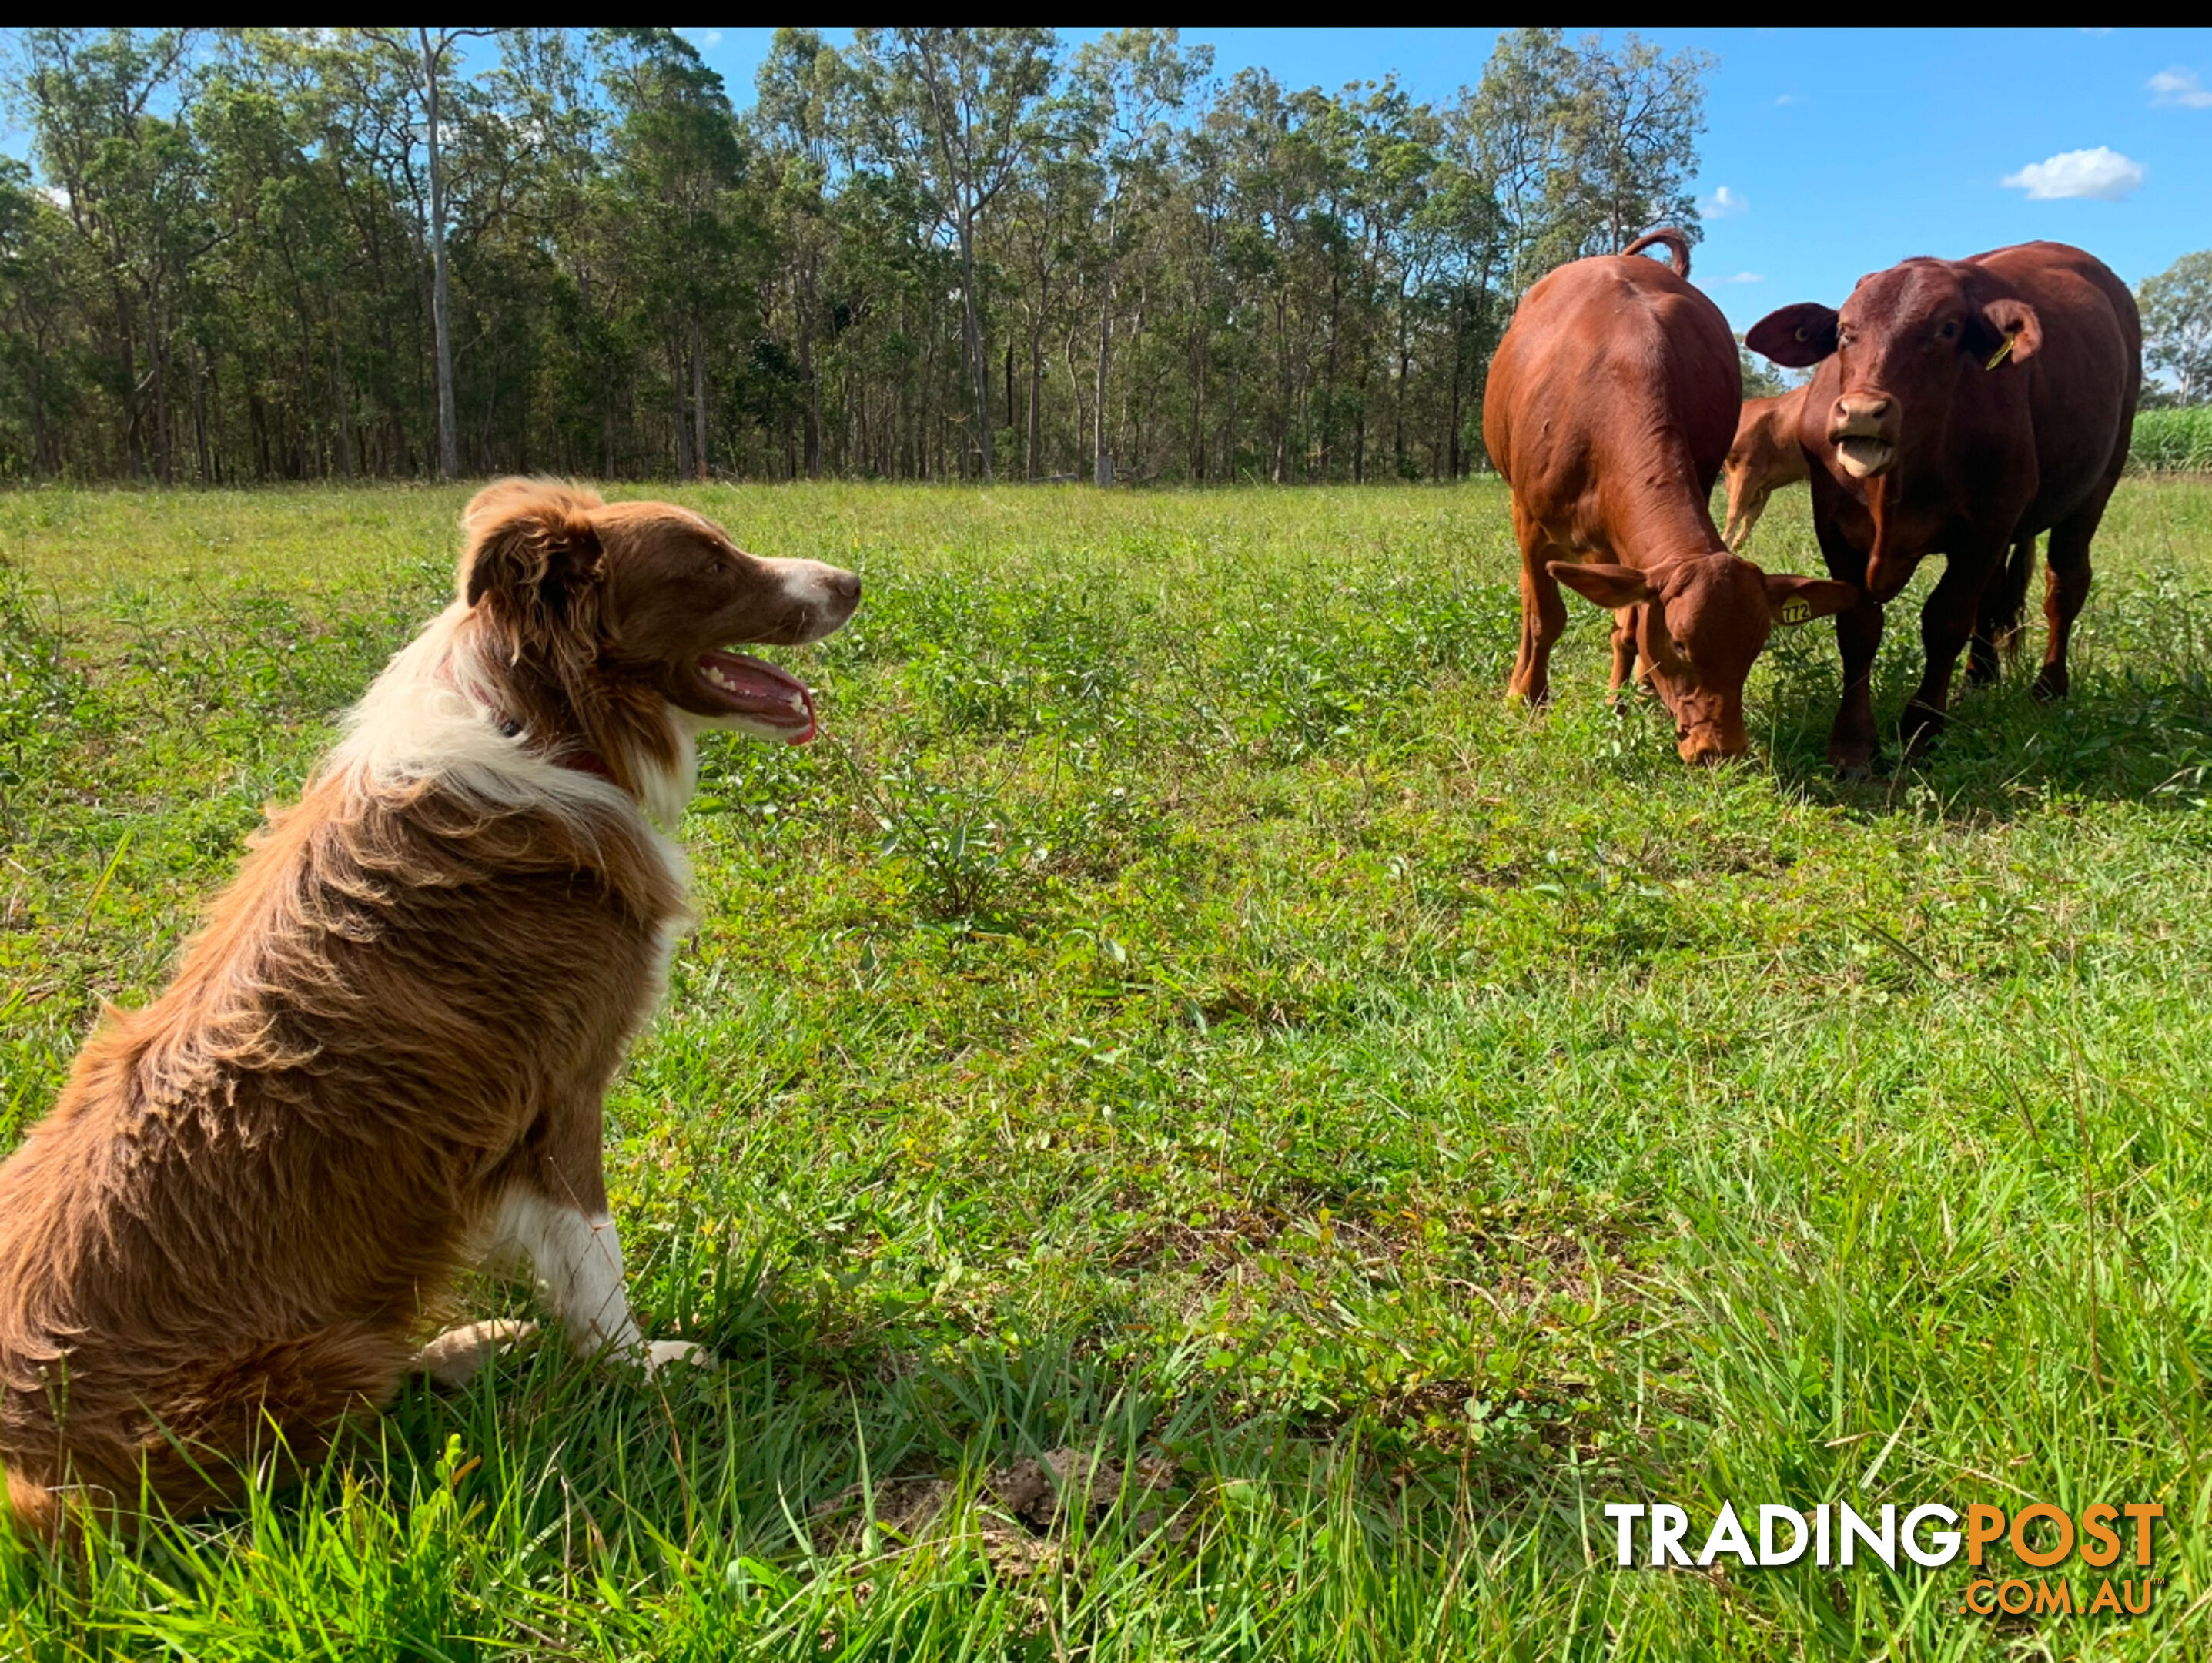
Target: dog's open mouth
x: 760, y: 693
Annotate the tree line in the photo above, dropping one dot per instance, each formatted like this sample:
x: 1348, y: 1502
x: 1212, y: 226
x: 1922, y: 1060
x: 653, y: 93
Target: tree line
x: 254, y: 255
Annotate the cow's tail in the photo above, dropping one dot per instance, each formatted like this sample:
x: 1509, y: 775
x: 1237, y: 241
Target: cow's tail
x: 2008, y: 615
x: 1676, y: 244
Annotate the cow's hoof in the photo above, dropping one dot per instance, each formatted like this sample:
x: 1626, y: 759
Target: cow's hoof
x: 1854, y: 774
x: 1920, y: 728
x: 2051, y: 684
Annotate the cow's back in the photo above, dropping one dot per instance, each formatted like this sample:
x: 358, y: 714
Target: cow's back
x: 1615, y: 375
x: 2084, y: 380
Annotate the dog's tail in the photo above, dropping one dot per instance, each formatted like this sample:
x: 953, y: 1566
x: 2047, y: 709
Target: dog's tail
x: 1677, y: 246
x: 2006, y: 614
x: 34, y: 1510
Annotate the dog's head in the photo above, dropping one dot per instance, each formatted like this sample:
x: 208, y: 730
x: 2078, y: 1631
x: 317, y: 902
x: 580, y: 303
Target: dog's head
x: 614, y: 613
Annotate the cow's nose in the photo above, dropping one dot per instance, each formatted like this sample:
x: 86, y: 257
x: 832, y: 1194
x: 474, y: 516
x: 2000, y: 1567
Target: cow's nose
x: 1854, y: 408
x: 1703, y: 747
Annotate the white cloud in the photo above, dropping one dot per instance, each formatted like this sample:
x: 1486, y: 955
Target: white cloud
x: 56, y: 194
x: 1723, y: 202
x: 1788, y: 98
x: 2102, y: 174
x: 712, y: 38
x: 2181, y: 86
x: 1748, y: 277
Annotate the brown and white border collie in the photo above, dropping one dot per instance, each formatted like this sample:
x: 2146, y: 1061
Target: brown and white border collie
x: 382, y: 1059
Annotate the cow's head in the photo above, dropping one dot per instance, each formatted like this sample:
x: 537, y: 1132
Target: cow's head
x: 1902, y: 342
x: 1765, y: 456
x: 1700, y: 624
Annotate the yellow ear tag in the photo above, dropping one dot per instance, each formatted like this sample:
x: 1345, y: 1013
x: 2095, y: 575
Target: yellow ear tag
x: 2001, y: 353
x: 1796, y: 609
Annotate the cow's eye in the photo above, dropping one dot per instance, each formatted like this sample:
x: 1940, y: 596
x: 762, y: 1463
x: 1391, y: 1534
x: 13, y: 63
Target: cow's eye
x: 1948, y: 332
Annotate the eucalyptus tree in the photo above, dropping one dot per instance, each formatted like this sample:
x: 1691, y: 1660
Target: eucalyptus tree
x: 2177, y: 325
x: 127, y: 179
x: 431, y: 56
x: 1126, y: 82
x: 952, y: 112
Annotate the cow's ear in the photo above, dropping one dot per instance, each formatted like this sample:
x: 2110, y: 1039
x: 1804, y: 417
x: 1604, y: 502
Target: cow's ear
x: 1793, y: 600
x: 531, y: 544
x: 2007, y: 331
x: 1611, y: 586
x: 1797, y: 336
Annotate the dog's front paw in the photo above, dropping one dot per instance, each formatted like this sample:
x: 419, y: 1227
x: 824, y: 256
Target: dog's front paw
x: 661, y: 1353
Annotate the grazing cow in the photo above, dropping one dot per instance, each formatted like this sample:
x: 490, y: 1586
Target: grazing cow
x: 1960, y: 408
x: 1765, y: 457
x: 1611, y: 403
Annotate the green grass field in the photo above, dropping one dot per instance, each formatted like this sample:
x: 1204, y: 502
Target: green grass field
x: 1180, y: 1013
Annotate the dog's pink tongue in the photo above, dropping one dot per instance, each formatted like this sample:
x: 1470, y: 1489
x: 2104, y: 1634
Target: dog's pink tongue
x: 752, y: 688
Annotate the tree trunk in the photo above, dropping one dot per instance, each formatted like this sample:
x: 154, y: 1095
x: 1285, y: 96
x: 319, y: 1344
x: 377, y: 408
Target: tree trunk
x: 338, y: 416
x: 701, y: 468
x: 449, y: 454
x: 1035, y: 457
x: 972, y: 324
x: 133, y: 437
x: 1101, y: 467
x: 683, y: 421
x: 807, y: 373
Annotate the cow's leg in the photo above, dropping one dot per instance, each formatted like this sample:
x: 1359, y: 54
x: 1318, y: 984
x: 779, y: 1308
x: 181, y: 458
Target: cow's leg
x: 1946, y: 624
x: 1997, y: 623
x: 2068, y: 587
x: 1624, y: 648
x: 1859, y: 638
x: 1543, y: 613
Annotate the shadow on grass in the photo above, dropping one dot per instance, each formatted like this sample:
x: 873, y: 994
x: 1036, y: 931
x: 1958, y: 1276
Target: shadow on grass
x: 812, y: 1470
x: 2120, y: 736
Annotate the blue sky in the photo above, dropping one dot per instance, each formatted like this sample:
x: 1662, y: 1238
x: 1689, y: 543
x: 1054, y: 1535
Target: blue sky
x: 1848, y: 150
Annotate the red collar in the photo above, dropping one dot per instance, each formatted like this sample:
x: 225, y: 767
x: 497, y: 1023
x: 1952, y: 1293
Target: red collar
x: 582, y: 761
x: 588, y: 761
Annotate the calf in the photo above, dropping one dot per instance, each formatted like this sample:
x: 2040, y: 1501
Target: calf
x: 1960, y: 408
x: 1612, y: 401
x: 1765, y: 457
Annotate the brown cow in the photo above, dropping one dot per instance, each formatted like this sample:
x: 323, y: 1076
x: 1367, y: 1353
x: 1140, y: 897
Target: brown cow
x: 1765, y: 457
x: 1960, y: 408
x: 1611, y: 400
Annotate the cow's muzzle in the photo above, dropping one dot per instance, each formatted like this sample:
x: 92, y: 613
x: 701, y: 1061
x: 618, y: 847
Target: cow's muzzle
x: 1862, y: 426
x: 1702, y: 743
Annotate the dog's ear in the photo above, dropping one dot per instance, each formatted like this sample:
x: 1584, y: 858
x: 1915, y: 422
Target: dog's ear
x: 530, y: 545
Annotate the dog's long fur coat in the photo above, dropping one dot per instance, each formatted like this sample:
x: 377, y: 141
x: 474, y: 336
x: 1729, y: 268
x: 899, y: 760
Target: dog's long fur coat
x: 384, y: 1055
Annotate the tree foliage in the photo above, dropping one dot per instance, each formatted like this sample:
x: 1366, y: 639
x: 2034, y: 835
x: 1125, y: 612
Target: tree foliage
x: 2176, y: 323
x: 938, y: 253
